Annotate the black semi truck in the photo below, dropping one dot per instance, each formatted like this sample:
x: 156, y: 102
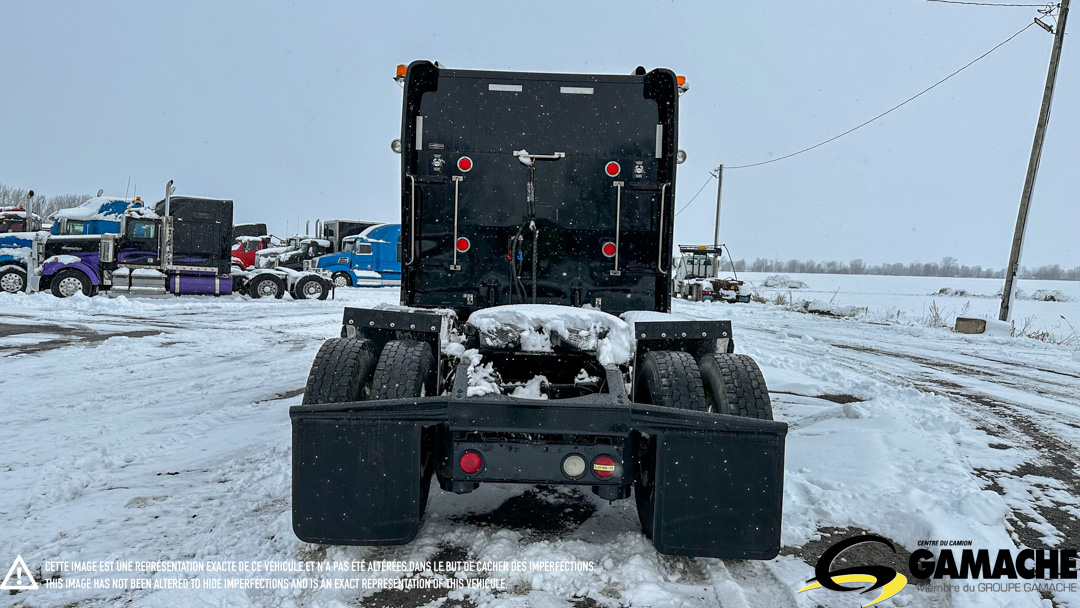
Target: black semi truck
x: 534, y: 342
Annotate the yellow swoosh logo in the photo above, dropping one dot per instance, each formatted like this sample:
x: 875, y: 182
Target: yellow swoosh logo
x: 892, y: 588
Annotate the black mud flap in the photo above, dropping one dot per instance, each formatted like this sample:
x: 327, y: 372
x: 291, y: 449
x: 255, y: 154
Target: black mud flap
x: 718, y: 494
x: 340, y: 467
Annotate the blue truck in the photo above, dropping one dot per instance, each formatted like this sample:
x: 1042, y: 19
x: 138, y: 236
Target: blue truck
x: 371, y: 258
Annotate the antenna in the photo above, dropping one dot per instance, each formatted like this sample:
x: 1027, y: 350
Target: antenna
x: 128, y: 187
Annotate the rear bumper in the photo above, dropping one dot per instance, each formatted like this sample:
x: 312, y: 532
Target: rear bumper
x: 705, y: 484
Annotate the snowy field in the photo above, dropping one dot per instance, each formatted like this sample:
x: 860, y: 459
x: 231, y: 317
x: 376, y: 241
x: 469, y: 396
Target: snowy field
x: 911, y: 299
x: 156, y: 428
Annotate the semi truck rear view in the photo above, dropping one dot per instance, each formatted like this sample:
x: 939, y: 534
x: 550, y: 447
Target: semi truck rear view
x: 534, y: 342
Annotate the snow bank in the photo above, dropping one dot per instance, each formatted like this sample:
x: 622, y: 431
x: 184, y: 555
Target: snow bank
x: 533, y: 326
x: 828, y: 309
x: 1050, y: 295
x: 783, y: 281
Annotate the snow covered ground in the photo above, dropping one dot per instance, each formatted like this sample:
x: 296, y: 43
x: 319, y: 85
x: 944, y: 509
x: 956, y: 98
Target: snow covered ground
x: 911, y: 299
x: 156, y: 428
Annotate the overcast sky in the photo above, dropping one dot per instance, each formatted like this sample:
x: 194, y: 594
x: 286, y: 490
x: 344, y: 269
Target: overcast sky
x: 289, y: 108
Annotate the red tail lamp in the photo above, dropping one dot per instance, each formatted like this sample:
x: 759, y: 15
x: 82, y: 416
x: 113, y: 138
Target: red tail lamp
x: 463, y: 244
x: 612, y: 169
x: 603, y: 466
x: 464, y: 164
x: 608, y: 249
x: 471, y: 462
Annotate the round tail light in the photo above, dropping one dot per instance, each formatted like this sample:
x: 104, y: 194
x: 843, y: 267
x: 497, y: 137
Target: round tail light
x: 463, y: 244
x: 603, y: 467
x: 612, y: 169
x: 464, y: 164
x: 608, y: 249
x: 573, y: 466
x: 471, y: 462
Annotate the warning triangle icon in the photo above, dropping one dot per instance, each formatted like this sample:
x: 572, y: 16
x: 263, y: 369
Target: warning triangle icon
x: 19, y: 577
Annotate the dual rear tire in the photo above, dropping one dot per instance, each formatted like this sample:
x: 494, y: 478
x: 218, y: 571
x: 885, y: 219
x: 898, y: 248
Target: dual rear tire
x: 716, y: 383
x: 347, y: 370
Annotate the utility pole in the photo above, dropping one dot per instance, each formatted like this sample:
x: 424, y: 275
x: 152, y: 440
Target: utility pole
x: 1033, y: 164
x: 716, y: 232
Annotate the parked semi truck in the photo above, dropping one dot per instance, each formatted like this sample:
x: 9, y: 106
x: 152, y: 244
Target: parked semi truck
x: 697, y: 276
x: 336, y: 231
x: 536, y: 214
x: 180, y: 245
x: 74, y: 232
x: 371, y: 258
x: 257, y: 230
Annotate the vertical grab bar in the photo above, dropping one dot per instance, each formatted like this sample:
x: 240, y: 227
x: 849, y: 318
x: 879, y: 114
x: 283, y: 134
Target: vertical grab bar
x: 618, y: 218
x: 412, y: 221
x: 660, y: 248
x: 457, y: 182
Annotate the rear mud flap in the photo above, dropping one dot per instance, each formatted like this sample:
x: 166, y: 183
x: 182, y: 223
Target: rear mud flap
x: 716, y: 494
x: 340, y: 473
x: 706, y: 485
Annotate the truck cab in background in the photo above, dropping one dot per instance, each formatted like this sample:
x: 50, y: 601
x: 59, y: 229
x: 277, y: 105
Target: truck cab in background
x: 246, y: 249
x: 297, y: 251
x: 19, y: 219
x: 371, y: 258
x: 336, y: 231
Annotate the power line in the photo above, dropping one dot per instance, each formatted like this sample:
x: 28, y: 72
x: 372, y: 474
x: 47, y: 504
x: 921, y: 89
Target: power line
x: 986, y: 3
x: 896, y: 107
x: 711, y: 176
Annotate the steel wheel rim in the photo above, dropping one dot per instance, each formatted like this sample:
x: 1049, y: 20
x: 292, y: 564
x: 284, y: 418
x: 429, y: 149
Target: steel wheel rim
x: 340, y: 281
x: 69, y: 286
x: 267, y: 288
x: 12, y: 282
x: 313, y: 288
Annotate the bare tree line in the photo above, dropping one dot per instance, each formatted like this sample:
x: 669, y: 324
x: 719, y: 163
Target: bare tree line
x: 42, y: 205
x: 947, y: 267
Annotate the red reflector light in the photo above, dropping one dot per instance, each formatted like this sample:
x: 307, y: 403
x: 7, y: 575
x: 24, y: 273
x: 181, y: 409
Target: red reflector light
x: 609, y: 249
x: 463, y: 244
x: 612, y: 169
x: 464, y: 164
x: 603, y: 466
x: 471, y: 462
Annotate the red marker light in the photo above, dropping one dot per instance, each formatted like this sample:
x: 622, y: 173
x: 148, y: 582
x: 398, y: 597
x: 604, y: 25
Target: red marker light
x: 471, y: 462
x: 463, y: 244
x: 609, y: 249
x: 464, y: 164
x: 603, y: 466
x: 612, y: 169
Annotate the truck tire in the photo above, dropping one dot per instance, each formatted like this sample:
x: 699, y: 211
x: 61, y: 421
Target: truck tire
x: 341, y: 372
x: 734, y: 386
x: 310, y: 287
x: 671, y: 379
x: 12, y: 280
x: 265, y: 286
x: 69, y: 281
x: 405, y: 369
x: 342, y: 279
